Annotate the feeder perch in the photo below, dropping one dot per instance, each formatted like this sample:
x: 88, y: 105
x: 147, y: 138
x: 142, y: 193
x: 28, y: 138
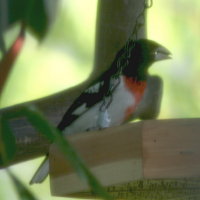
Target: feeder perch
x: 151, y: 150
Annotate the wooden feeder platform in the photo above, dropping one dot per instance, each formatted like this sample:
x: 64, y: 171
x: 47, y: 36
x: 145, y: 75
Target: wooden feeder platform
x: 143, y: 160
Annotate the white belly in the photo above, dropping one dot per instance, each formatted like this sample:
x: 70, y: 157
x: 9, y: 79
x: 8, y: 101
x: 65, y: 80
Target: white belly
x: 113, y: 115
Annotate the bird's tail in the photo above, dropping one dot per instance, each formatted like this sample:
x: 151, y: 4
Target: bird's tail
x: 42, y: 172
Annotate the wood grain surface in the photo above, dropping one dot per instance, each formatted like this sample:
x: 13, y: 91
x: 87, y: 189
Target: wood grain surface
x: 164, y: 151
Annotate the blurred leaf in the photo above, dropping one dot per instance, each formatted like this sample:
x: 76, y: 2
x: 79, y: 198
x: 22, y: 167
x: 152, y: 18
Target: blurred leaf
x: 23, y: 192
x: 44, y: 127
x: 2, y: 44
x: 53, y: 134
x: 34, y: 13
x: 31, y: 12
x: 10, y: 57
x: 7, y: 142
x: 3, y: 22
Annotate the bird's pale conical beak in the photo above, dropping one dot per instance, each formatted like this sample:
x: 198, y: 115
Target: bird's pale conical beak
x: 162, y: 53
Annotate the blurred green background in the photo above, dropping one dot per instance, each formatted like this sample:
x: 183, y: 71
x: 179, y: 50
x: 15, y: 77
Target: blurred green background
x: 65, y: 58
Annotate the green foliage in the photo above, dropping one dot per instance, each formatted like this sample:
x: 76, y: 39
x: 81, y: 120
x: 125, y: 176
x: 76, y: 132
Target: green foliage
x: 60, y: 52
x: 23, y: 192
x: 53, y: 135
x: 32, y: 13
x: 64, y: 59
x: 7, y: 142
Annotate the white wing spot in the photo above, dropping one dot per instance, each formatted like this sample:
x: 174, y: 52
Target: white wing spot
x: 104, y: 119
x: 80, y: 110
x: 95, y: 88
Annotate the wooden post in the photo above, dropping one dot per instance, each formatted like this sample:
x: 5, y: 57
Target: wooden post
x: 115, y: 23
x: 164, y: 155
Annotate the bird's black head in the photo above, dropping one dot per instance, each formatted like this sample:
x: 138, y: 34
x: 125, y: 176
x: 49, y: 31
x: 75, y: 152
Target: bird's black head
x: 143, y: 53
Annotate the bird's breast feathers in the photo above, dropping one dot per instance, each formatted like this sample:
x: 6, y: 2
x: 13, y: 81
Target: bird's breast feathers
x: 112, y: 110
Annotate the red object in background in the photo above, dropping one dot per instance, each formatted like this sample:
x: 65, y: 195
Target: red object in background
x: 10, y: 57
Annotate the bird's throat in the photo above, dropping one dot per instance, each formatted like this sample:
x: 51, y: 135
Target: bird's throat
x: 137, y: 89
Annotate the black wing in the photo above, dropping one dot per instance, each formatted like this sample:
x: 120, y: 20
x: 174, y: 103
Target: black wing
x: 85, y: 101
x: 99, y: 89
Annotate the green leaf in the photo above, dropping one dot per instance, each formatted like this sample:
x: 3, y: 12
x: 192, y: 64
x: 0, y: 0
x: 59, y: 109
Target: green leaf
x: 7, y: 142
x: 30, y: 12
x: 2, y: 44
x: 23, y: 192
x: 53, y: 134
x: 37, y: 18
x: 33, y: 13
x: 44, y: 127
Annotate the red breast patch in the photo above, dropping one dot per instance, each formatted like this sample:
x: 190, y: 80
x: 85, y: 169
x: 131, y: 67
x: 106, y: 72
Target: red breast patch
x: 137, y: 88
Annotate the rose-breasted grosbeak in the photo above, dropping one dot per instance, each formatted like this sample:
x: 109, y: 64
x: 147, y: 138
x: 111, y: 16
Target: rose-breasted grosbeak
x: 112, y: 99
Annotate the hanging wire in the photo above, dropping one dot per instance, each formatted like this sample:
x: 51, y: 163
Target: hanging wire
x: 123, y: 60
x: 107, y: 100
x: 138, y: 25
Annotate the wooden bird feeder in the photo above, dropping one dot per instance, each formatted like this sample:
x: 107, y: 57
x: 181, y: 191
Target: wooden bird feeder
x: 146, y: 151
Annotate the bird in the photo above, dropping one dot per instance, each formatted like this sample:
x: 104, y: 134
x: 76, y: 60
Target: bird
x: 112, y: 98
